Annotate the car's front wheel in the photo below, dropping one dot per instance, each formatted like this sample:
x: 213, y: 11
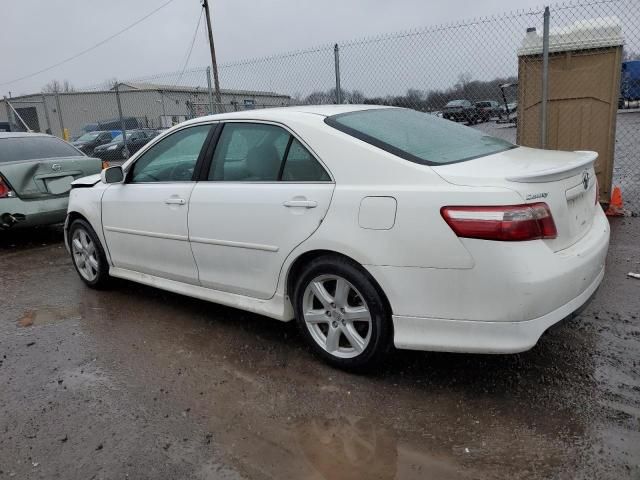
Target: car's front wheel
x: 88, y: 255
x: 342, y: 314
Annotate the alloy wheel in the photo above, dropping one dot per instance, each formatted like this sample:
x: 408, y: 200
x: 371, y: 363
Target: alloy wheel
x: 85, y: 255
x: 337, y: 316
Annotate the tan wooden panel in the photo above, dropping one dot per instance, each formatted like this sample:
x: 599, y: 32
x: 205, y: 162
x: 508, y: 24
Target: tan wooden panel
x: 583, y: 97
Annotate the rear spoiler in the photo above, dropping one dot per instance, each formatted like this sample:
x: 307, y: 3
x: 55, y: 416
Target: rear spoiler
x: 584, y: 159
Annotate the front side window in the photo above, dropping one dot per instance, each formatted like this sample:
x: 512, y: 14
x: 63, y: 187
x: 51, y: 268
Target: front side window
x: 416, y: 136
x: 254, y: 152
x: 172, y: 159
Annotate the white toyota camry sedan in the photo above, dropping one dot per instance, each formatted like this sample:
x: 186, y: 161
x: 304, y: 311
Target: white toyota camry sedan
x: 372, y: 227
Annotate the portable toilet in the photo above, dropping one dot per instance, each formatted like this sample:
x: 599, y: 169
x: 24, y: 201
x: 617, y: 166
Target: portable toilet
x: 583, y: 91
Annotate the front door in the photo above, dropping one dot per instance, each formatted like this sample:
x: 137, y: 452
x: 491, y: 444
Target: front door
x: 145, y: 218
x: 264, y: 194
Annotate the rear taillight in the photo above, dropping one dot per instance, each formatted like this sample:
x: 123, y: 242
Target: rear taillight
x: 507, y: 223
x: 5, y: 189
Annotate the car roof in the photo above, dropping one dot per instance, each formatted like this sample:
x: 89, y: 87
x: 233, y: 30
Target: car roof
x: 285, y: 113
x: 22, y: 134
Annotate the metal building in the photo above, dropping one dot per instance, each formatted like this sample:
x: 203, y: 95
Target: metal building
x: 153, y: 105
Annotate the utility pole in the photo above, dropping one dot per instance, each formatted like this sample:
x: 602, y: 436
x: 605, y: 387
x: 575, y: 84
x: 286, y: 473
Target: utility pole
x: 123, y: 125
x: 214, y: 64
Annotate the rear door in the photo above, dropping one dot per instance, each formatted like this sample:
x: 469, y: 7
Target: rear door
x: 41, y: 166
x: 264, y: 194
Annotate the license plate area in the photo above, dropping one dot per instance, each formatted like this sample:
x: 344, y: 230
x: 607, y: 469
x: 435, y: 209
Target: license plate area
x: 580, y: 207
x: 59, y: 185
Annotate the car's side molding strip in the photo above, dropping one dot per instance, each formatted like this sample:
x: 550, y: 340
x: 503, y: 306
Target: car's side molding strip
x: 229, y: 243
x: 184, y: 238
x: 144, y: 233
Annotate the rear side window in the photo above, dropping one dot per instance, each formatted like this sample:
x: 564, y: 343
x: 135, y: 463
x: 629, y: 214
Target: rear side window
x: 300, y: 166
x: 34, y: 148
x: 249, y: 152
x: 255, y: 152
x: 417, y: 137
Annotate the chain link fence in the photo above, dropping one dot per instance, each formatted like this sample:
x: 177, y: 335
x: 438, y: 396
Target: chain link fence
x: 486, y: 72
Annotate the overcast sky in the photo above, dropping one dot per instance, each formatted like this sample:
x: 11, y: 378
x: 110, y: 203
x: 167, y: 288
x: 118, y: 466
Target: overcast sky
x: 38, y: 33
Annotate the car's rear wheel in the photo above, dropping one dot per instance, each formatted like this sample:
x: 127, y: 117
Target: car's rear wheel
x: 342, y: 314
x: 88, y: 255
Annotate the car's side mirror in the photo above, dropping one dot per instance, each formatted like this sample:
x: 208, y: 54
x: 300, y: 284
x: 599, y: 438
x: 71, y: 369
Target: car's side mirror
x: 112, y: 175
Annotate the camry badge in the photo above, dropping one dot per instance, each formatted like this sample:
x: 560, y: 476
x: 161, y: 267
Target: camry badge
x: 533, y: 196
x: 585, y: 180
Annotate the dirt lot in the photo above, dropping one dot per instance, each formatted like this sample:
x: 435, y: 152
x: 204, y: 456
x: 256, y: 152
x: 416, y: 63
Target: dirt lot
x: 137, y: 383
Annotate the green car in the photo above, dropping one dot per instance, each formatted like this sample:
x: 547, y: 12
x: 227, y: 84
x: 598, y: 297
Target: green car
x: 36, y: 171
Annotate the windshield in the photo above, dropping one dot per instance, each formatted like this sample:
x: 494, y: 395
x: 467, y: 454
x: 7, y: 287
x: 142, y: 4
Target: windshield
x: 33, y: 148
x: 118, y: 138
x: 456, y: 103
x: 416, y: 136
x: 87, y: 137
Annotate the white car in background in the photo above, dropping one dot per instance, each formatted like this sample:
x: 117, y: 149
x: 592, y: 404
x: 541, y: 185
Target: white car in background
x: 371, y: 226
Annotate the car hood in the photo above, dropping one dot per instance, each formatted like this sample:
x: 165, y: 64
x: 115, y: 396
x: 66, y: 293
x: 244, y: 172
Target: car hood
x: 87, y: 181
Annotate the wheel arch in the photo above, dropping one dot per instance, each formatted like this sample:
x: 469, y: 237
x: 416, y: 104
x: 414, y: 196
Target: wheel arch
x: 72, y: 217
x: 298, y: 265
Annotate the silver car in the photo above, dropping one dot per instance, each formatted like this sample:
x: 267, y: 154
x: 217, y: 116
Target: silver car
x: 36, y: 171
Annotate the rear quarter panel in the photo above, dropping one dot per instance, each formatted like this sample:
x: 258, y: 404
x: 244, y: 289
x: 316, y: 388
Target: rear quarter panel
x: 419, y: 237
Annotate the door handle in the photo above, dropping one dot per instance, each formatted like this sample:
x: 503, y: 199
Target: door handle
x: 300, y: 203
x: 175, y: 201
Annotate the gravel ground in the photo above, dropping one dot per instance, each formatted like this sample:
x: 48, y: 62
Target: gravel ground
x: 626, y: 168
x: 137, y: 383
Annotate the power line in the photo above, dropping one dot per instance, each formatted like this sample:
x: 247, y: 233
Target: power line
x: 102, y: 42
x: 193, y: 41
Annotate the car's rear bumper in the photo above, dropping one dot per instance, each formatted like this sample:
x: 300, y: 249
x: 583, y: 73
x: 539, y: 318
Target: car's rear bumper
x: 35, y: 212
x: 513, y: 292
x: 445, y: 335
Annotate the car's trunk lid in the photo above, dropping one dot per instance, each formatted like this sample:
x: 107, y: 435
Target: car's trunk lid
x: 47, y: 177
x: 564, y: 180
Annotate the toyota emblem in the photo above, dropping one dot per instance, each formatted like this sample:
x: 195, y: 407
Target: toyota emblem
x: 585, y: 180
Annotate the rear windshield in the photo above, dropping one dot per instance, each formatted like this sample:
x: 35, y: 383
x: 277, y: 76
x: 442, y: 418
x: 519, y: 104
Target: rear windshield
x: 87, y: 137
x: 416, y: 136
x: 33, y: 148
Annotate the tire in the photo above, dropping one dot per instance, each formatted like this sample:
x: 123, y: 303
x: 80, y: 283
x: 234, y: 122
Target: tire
x: 88, y: 256
x: 357, y: 315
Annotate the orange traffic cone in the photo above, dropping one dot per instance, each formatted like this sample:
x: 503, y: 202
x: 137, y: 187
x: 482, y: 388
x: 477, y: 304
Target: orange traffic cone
x: 615, y: 207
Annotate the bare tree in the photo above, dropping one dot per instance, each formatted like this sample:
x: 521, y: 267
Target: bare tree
x: 628, y: 55
x: 110, y: 83
x: 464, y: 79
x: 56, y: 86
